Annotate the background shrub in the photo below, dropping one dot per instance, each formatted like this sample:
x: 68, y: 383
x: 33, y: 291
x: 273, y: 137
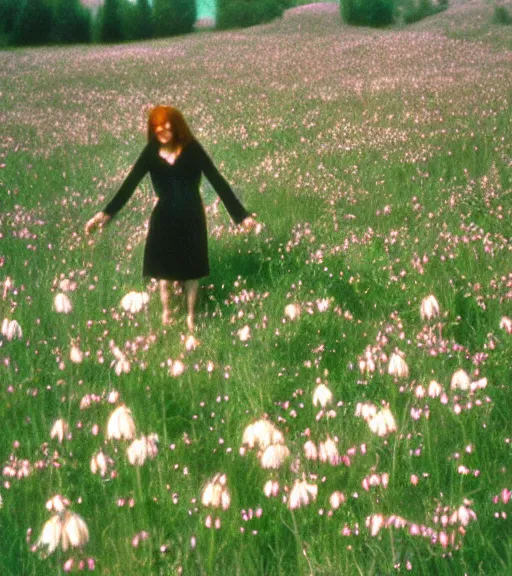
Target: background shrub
x: 368, y: 12
x: 174, y: 17
x: 415, y: 10
x: 502, y: 15
x: 111, y: 29
x: 243, y: 13
x: 33, y: 23
x: 71, y: 22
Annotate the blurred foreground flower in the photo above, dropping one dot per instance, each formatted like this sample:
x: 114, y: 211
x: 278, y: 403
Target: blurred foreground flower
x: 322, y: 395
x: 292, y: 311
x: 506, y: 324
x: 302, y: 494
x: 310, y: 450
x: 134, y: 302
x: 216, y: 493
x: 271, y: 488
x: 62, y: 304
x: 328, y: 452
x: 274, y: 456
x: 460, y: 380
x: 262, y: 433
x: 383, y: 423
x: 191, y: 342
x: 336, y: 499
x: 76, y: 355
x: 120, y: 424
x: 11, y: 330
x: 67, y: 529
x: 374, y: 523
x: 429, y: 308
x: 434, y: 389
x: 121, y: 363
x: 398, y: 366
x: 100, y: 463
x: 57, y: 503
x: 142, y: 448
x: 59, y: 430
x: 244, y: 333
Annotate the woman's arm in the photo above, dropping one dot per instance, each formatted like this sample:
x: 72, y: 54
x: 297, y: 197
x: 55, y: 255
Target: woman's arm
x: 138, y: 171
x: 237, y: 212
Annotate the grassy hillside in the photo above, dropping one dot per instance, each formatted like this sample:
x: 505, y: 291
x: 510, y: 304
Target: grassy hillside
x: 379, y: 164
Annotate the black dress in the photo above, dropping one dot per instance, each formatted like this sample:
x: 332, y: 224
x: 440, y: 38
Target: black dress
x: 177, y: 243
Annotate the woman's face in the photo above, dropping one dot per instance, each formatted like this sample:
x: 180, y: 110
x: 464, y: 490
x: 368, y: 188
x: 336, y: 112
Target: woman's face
x: 164, y: 133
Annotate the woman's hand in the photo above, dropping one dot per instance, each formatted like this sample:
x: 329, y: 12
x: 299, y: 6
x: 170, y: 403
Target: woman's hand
x: 251, y: 224
x: 97, y: 221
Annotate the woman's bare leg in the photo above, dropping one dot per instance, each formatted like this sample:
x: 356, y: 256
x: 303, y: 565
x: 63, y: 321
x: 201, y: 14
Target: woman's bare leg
x: 165, y: 297
x: 191, y: 290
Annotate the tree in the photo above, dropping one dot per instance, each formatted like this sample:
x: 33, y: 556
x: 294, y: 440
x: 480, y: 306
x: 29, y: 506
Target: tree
x: 72, y: 22
x: 9, y: 10
x: 368, y: 12
x: 174, y: 16
x: 111, y: 27
x: 145, y: 19
x: 33, y: 24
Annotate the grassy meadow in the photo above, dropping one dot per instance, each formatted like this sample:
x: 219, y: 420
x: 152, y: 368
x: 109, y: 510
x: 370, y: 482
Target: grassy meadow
x: 379, y: 164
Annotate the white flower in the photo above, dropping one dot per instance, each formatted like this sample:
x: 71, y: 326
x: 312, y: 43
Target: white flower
x: 62, y: 303
x: 398, y: 366
x: 216, y: 493
x: 120, y: 424
x: 322, y: 395
x: 74, y: 531
x: 274, y: 456
x: 506, y: 324
x: 50, y: 534
x: 100, y: 463
x: 336, y: 499
x: 57, y: 503
x: 302, y: 494
x: 382, y: 423
x: 142, y: 448
x: 244, y: 333
x: 465, y: 515
x: 434, y: 389
x: 366, y: 410
x: 375, y: 522
x: 76, y: 355
x: 67, y: 285
x: 328, y: 452
x: 310, y: 450
x: 11, y: 330
x: 121, y: 363
x: 59, y: 430
x: 461, y: 380
x: 429, y: 308
x: 191, y: 343
x: 292, y: 311
x: 122, y: 366
x: 137, y: 452
x: 134, y: 302
x: 262, y: 433
x: 271, y: 488
x: 177, y: 368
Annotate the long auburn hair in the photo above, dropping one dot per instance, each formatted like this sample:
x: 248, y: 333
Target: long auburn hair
x: 181, y: 133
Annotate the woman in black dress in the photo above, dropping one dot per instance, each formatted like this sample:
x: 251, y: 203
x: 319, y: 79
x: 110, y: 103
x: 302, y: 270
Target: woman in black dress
x: 177, y: 244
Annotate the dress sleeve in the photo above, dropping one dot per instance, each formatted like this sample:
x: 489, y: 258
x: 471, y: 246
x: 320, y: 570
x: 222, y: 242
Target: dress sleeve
x: 220, y: 185
x: 138, y: 171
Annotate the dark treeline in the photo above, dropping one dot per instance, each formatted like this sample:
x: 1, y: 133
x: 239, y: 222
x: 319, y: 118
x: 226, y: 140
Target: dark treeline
x: 36, y: 22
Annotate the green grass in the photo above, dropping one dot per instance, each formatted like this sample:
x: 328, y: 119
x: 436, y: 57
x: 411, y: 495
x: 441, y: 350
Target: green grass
x: 379, y: 162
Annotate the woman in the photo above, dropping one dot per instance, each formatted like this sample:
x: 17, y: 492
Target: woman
x: 176, y: 245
